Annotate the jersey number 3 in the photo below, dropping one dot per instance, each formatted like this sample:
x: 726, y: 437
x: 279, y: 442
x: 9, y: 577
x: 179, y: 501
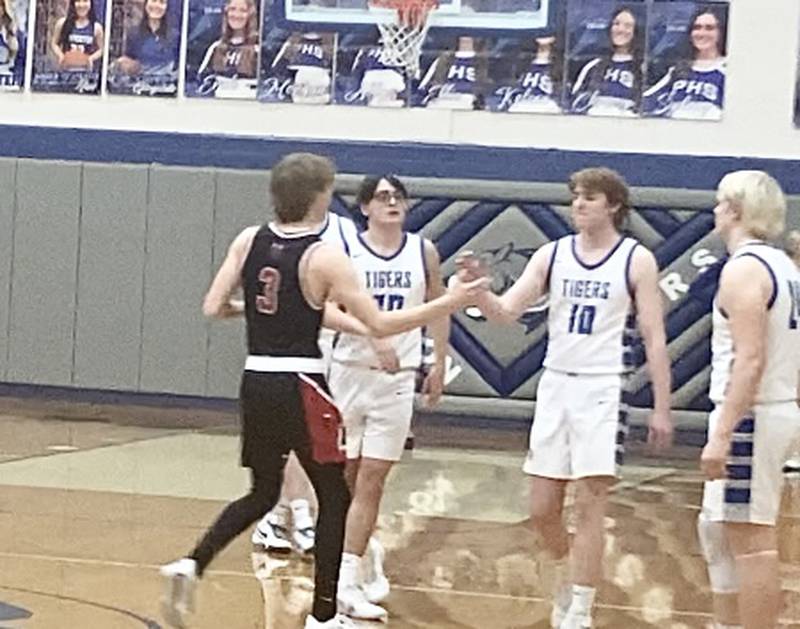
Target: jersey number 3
x: 267, y: 300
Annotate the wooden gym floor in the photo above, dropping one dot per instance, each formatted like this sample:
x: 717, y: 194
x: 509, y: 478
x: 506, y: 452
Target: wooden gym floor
x: 93, y: 498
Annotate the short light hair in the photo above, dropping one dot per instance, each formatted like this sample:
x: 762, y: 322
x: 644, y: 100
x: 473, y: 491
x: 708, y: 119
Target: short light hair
x: 610, y: 183
x: 296, y: 181
x: 759, y: 199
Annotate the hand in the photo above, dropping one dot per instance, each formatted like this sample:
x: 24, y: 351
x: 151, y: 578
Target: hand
x: 659, y: 433
x: 714, y: 457
x: 470, y: 267
x: 433, y: 386
x: 387, y: 357
x: 467, y: 293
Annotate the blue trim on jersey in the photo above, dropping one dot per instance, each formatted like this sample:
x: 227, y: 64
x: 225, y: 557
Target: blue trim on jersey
x: 592, y: 267
x: 424, y: 264
x: 550, y: 266
x: 414, y: 159
x: 628, y: 263
x: 345, y: 244
x: 774, y: 295
x: 378, y: 255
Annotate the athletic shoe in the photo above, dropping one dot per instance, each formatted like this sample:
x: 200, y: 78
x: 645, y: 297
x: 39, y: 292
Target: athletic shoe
x: 375, y: 585
x: 337, y: 622
x: 178, y: 600
x: 353, y: 602
x: 272, y: 535
x: 303, y: 533
x: 792, y: 466
x: 574, y: 620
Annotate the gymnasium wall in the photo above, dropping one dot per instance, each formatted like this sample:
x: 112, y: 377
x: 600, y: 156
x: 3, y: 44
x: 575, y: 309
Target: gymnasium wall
x: 762, y: 63
x: 103, y: 268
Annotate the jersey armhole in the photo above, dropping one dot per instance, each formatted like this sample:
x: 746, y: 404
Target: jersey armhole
x: 774, y: 295
x: 303, y: 275
x: 550, y: 266
x: 628, y: 263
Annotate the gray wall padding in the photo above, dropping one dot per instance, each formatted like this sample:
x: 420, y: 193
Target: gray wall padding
x: 103, y: 268
x: 44, y: 278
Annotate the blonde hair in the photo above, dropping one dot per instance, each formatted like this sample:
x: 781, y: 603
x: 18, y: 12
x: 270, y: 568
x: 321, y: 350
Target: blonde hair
x: 759, y: 199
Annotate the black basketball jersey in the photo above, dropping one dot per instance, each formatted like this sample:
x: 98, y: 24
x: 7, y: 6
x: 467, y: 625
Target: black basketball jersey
x: 280, y: 321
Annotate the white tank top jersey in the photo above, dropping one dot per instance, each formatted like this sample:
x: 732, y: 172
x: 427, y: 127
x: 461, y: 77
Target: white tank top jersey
x: 338, y: 230
x: 779, y: 380
x: 590, y: 309
x: 397, y: 281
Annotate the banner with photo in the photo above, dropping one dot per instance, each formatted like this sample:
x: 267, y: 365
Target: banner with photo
x: 68, y: 46
x: 222, y: 47
x: 605, y: 57
x: 296, y: 66
x: 13, y: 43
x: 686, y: 60
x: 144, y: 47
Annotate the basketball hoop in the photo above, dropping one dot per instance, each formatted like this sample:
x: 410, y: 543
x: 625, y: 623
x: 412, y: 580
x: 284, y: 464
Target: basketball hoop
x: 403, y: 32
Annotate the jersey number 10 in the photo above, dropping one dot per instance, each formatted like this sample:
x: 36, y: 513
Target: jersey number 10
x: 581, y: 319
x: 389, y: 302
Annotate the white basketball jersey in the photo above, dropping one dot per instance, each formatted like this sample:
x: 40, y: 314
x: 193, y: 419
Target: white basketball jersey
x: 589, y: 309
x: 338, y: 231
x: 779, y: 380
x: 397, y: 281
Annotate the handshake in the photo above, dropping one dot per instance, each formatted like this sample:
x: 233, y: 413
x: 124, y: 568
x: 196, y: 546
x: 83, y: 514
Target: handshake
x: 471, y: 280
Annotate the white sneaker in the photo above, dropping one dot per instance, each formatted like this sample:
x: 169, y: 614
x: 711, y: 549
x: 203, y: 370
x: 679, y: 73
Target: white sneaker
x: 353, y: 602
x: 178, y: 600
x: 271, y: 534
x: 557, y: 616
x: 376, y: 586
x: 573, y: 620
x: 303, y: 533
x: 792, y: 466
x: 337, y: 622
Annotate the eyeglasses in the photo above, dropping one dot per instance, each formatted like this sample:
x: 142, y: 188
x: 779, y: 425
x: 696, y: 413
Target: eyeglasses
x: 385, y: 196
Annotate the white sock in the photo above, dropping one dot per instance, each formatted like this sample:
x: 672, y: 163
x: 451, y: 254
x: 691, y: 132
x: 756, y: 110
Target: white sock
x: 719, y: 625
x: 349, y: 572
x: 582, y: 599
x: 562, y: 589
x: 301, y: 513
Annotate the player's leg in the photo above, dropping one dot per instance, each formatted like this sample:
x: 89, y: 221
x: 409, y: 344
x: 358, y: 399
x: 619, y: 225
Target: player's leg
x: 319, y: 450
x: 755, y: 548
x: 596, y: 423
x: 548, y: 464
x: 290, y: 524
x: 722, y: 572
x: 381, y: 445
x: 264, y: 450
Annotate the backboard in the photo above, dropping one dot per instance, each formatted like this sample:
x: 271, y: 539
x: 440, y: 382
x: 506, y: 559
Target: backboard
x: 461, y: 14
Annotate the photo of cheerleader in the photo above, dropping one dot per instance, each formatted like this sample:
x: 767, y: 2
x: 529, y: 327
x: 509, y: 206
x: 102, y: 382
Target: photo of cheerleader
x: 610, y: 83
x: 365, y: 77
x: 145, y: 41
x: 693, y: 86
x: 229, y: 65
x: 12, y: 44
x: 458, y: 78
x: 300, y: 71
x: 537, y: 75
x: 68, y: 53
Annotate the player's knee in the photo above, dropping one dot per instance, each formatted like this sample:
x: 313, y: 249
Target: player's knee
x: 718, y: 556
x: 545, y: 514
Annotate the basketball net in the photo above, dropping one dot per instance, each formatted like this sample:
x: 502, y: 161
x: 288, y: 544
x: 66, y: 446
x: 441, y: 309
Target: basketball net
x: 403, y: 35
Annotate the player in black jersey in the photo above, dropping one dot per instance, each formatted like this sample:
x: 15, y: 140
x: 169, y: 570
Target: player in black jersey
x: 289, y: 278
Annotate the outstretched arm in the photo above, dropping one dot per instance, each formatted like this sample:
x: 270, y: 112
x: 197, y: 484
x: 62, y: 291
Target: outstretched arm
x: 527, y: 290
x: 433, y: 385
x: 333, y: 274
